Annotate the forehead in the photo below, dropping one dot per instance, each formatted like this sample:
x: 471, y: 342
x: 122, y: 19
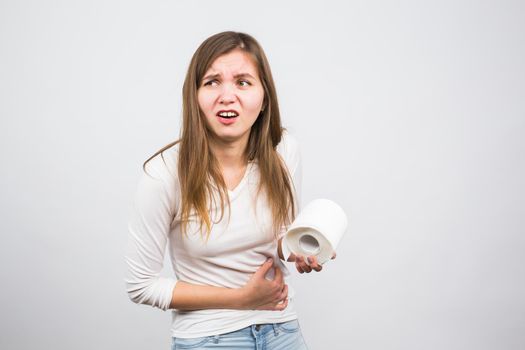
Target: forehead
x: 236, y: 61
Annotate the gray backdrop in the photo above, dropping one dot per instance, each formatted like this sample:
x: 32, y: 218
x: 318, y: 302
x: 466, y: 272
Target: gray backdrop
x: 410, y: 115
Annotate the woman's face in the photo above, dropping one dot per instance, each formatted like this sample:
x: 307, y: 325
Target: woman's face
x: 231, y: 96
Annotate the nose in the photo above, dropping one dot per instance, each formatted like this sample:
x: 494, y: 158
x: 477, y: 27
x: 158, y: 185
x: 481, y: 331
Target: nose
x: 227, y: 94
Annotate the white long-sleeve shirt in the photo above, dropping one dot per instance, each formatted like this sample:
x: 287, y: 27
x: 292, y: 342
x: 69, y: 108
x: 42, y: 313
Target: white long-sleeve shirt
x: 234, y: 251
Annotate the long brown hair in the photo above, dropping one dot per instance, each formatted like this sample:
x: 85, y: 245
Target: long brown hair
x: 198, y: 168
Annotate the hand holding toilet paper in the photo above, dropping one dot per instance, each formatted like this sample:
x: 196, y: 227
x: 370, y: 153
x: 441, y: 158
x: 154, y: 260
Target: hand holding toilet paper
x: 316, y: 231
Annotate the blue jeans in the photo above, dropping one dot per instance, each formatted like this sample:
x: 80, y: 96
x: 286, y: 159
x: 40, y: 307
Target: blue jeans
x: 270, y: 336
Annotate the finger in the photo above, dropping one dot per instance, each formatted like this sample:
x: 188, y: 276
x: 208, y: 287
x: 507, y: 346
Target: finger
x: 307, y: 268
x: 278, y: 275
x: 333, y: 256
x: 265, y: 267
x: 298, y: 264
x: 298, y: 267
x: 281, y: 306
x: 303, y: 265
x: 314, y: 264
x: 284, y: 293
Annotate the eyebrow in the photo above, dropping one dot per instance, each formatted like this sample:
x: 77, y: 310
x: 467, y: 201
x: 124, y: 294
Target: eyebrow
x: 239, y: 75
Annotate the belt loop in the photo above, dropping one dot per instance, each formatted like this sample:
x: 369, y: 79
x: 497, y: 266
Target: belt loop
x: 275, y: 331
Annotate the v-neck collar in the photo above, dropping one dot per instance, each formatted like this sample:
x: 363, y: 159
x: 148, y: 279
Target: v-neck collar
x: 233, y: 193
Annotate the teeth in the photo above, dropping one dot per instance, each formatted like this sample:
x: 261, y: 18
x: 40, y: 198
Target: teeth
x: 228, y: 114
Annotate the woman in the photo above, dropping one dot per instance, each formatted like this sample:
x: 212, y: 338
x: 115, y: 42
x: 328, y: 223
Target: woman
x: 221, y: 197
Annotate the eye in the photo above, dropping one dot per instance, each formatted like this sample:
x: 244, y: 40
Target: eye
x: 244, y: 83
x: 210, y: 82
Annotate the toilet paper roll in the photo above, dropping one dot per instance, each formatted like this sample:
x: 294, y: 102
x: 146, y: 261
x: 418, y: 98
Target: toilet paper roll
x: 317, y: 230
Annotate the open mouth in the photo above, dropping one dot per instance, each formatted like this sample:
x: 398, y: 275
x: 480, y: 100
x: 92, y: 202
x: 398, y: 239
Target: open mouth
x: 228, y: 114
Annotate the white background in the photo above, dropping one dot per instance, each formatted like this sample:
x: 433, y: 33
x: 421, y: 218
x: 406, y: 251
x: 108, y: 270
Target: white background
x: 410, y: 114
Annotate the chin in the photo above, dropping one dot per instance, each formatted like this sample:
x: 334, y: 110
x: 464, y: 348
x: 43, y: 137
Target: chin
x: 230, y: 135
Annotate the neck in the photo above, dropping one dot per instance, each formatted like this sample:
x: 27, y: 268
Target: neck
x: 230, y: 154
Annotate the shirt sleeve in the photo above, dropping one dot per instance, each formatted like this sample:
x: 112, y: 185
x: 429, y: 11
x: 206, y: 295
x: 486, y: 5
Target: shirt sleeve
x: 295, y: 167
x: 154, y: 207
x: 290, y: 151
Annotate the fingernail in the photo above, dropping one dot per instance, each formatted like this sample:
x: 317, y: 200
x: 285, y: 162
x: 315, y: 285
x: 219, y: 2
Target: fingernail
x: 269, y: 260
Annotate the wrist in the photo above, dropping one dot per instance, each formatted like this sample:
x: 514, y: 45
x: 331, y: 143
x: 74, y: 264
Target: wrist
x: 240, y: 296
